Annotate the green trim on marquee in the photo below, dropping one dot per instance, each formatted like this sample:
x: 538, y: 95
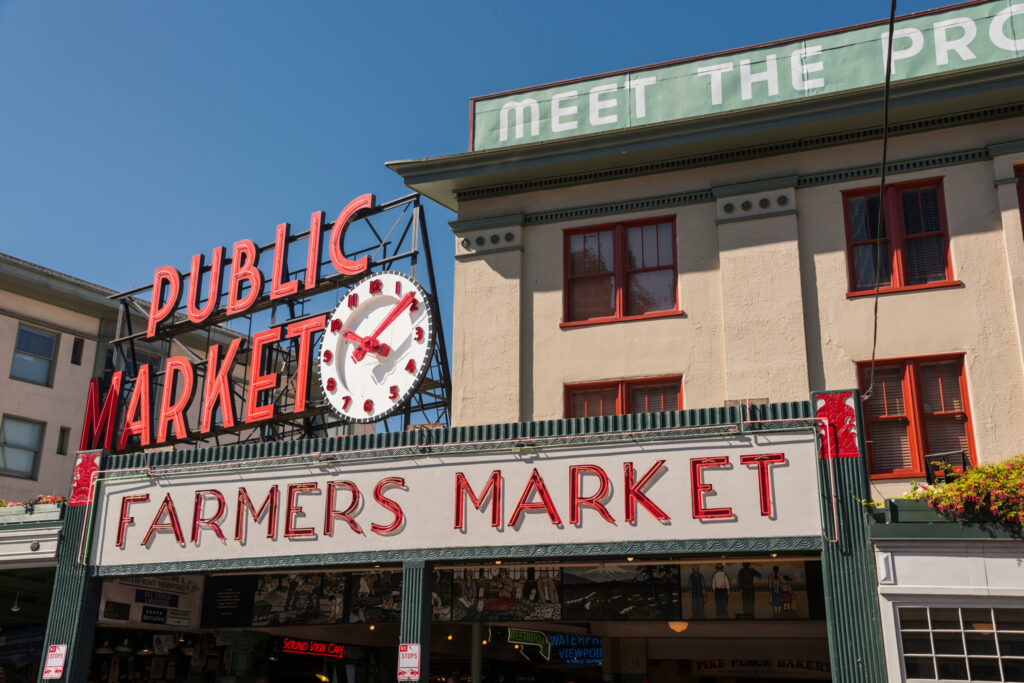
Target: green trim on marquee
x: 786, y: 71
x: 851, y: 604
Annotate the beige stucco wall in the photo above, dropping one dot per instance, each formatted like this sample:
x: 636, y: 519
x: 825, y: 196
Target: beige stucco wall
x: 57, y: 406
x: 766, y: 312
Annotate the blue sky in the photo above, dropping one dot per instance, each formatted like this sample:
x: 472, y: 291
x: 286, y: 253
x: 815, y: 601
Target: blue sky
x: 135, y: 133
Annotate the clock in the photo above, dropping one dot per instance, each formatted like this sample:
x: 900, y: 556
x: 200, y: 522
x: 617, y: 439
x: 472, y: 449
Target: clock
x: 376, y: 347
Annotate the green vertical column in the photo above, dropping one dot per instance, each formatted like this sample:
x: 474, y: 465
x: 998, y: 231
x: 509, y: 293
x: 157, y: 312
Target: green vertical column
x: 75, y: 601
x: 847, y: 563
x: 417, y: 587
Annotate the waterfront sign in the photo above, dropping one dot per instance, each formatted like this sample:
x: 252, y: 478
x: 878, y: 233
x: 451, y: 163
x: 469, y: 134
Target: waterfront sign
x: 924, y: 45
x: 709, y: 488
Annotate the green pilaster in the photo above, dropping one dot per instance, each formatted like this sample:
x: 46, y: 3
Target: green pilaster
x: 75, y: 601
x: 417, y: 587
x: 851, y: 591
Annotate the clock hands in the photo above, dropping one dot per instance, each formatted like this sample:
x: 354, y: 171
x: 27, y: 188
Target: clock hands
x: 370, y: 344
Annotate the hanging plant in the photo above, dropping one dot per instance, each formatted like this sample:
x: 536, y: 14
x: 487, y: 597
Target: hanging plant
x: 994, y: 490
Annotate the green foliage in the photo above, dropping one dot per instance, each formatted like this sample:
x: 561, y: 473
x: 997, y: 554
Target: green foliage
x: 38, y: 500
x: 995, y: 490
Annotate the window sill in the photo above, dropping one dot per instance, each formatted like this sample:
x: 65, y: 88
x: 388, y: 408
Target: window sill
x: 621, y: 319
x: 945, y: 284
x: 902, y: 474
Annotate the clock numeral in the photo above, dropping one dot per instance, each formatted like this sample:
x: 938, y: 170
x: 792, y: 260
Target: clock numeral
x: 398, y: 287
x: 410, y: 366
x: 394, y: 393
x: 331, y: 384
x: 414, y: 306
x: 335, y: 325
x: 328, y: 356
x: 346, y: 402
x: 353, y: 300
x: 376, y: 286
x: 418, y: 337
x: 368, y: 406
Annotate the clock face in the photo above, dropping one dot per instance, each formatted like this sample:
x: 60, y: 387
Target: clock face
x: 376, y: 347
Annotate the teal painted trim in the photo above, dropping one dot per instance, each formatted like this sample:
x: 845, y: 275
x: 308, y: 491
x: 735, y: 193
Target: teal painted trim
x: 948, y: 530
x: 769, y: 214
x: 687, y: 547
x: 491, y: 222
x: 968, y: 156
x: 1005, y: 181
x: 848, y: 571
x: 693, y: 423
x: 485, y: 252
x: 417, y: 609
x: 42, y: 526
x: 765, y: 185
x: 1002, y: 148
x: 74, y: 603
x: 632, y: 205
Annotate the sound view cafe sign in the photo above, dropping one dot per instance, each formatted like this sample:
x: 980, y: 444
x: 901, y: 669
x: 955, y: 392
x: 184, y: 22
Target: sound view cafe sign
x: 704, y: 489
x: 374, y: 353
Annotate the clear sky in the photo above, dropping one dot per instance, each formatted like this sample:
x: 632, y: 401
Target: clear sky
x: 136, y: 133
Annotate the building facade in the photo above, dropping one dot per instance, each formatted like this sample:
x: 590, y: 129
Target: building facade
x: 668, y: 404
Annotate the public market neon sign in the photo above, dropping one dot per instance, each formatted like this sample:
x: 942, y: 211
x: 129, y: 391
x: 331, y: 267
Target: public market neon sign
x: 243, y: 285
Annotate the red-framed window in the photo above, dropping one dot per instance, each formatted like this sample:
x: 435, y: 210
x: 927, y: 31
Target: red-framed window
x: 620, y: 397
x: 620, y: 271
x: 918, y: 406
x: 913, y: 249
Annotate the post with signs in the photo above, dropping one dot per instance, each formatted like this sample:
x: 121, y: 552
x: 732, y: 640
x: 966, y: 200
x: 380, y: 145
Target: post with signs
x: 414, y: 632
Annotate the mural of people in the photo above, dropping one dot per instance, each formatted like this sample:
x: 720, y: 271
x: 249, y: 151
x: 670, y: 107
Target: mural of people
x: 787, y: 596
x: 745, y: 578
x: 720, y: 585
x: 775, y: 591
x: 697, y: 590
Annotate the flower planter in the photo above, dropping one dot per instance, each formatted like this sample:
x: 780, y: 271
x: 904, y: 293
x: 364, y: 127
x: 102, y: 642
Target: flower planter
x: 18, y: 514
x: 909, y: 510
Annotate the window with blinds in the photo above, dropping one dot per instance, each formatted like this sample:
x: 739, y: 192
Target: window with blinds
x: 623, y: 397
x: 916, y: 407
x: 908, y: 248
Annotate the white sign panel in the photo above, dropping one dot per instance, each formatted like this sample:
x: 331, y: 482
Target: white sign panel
x: 738, y: 487
x: 152, y: 601
x: 54, y: 666
x: 409, y: 662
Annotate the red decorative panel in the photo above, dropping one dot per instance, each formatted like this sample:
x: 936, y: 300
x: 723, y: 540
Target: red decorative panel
x: 837, y: 425
x: 82, y: 479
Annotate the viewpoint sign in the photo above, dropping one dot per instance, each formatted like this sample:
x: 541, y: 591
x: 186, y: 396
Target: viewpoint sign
x: 700, y: 489
x: 923, y: 45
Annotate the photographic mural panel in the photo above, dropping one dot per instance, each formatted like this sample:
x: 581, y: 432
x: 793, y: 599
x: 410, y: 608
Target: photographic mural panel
x: 621, y: 592
x: 376, y: 597
x: 745, y: 590
x: 494, y: 593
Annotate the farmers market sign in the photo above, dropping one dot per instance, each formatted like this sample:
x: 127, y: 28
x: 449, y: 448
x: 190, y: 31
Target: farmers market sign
x: 923, y: 45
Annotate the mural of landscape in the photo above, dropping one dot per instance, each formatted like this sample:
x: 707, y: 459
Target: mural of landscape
x: 611, y: 593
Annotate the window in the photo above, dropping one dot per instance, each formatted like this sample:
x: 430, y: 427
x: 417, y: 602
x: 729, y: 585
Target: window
x: 62, y: 440
x: 913, y: 239
x: 34, y: 351
x: 76, y: 351
x: 962, y: 643
x: 622, y: 271
x: 918, y: 406
x: 20, y: 443
x: 649, y: 395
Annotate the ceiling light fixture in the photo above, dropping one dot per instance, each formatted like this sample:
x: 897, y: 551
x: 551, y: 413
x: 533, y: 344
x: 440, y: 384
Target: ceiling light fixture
x: 16, y: 607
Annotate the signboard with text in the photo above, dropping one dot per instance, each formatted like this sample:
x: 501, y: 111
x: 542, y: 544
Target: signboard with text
x: 53, y: 668
x: 712, y: 488
x: 923, y: 45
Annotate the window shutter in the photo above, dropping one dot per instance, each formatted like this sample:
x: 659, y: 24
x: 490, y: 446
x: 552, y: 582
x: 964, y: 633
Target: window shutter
x: 654, y: 399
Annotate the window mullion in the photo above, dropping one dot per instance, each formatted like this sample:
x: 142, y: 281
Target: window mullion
x: 893, y: 213
x: 914, y: 407
x: 620, y: 259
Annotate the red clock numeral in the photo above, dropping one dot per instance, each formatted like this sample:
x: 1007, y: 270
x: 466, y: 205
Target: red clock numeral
x: 376, y: 286
x: 353, y: 300
x: 418, y: 337
x: 346, y: 402
x: 411, y: 366
x: 394, y: 392
x: 335, y: 325
x: 328, y: 356
x: 331, y: 384
x: 414, y: 306
x: 398, y: 287
x: 368, y: 405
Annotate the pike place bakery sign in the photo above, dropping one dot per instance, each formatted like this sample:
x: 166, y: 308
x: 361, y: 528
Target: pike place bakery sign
x: 655, y: 491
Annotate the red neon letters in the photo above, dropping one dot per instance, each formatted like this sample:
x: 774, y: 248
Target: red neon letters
x: 699, y: 488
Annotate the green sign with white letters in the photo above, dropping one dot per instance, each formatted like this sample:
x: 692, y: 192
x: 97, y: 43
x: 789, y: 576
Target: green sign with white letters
x: 924, y: 45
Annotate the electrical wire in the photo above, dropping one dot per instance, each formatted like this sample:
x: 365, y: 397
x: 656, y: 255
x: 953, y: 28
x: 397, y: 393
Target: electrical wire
x: 881, y: 198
